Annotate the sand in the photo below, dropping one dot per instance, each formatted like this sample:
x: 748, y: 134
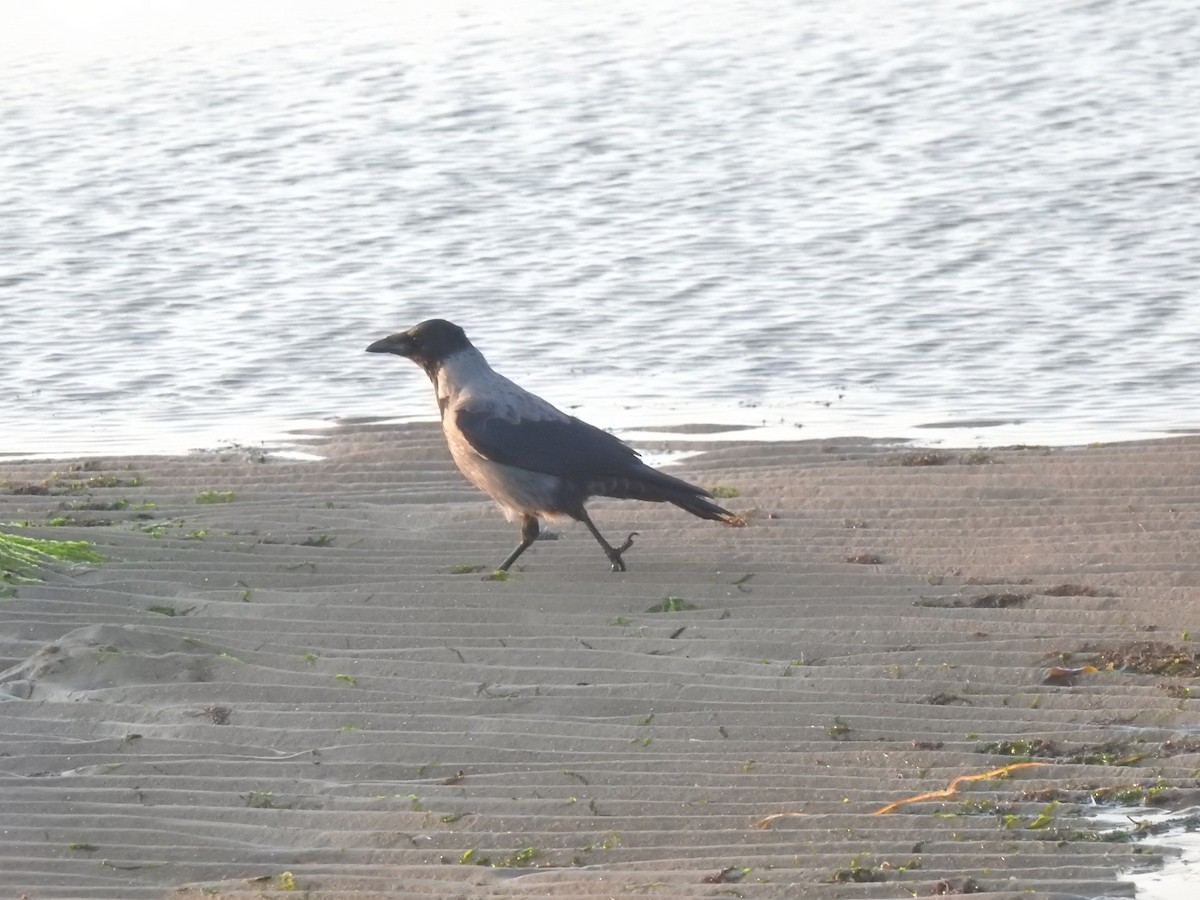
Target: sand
x: 300, y: 688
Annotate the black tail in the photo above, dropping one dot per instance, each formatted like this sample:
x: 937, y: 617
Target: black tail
x: 658, y: 487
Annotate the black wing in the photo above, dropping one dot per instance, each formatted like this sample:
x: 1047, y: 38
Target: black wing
x: 568, y: 448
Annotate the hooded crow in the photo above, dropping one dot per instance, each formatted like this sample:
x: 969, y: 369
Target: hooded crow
x: 533, y: 459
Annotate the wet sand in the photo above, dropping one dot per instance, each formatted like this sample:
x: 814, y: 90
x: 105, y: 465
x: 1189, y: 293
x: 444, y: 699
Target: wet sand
x: 310, y: 685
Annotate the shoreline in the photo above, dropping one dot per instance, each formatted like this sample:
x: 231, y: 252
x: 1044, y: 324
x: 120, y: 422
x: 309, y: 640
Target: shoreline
x: 685, y: 424
x: 300, y: 680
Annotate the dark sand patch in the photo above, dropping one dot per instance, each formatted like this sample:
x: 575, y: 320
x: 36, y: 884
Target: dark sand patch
x: 304, y: 686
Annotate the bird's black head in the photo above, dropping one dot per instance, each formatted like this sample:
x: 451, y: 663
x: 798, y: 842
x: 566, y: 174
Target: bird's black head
x: 426, y: 344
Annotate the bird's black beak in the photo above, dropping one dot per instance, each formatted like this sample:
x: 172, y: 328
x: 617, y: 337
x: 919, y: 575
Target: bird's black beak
x: 400, y: 343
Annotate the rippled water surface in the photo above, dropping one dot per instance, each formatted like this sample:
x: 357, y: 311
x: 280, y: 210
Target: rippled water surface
x: 855, y: 218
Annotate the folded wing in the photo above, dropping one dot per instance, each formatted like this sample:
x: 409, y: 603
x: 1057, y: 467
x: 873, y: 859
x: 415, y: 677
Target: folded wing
x: 567, y: 448
x: 591, y: 462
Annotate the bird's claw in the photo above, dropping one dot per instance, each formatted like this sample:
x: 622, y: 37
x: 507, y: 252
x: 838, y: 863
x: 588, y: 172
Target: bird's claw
x: 618, y: 565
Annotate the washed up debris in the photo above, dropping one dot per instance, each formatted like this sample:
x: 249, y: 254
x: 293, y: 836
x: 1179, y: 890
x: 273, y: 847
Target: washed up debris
x: 1064, y: 675
x: 952, y: 788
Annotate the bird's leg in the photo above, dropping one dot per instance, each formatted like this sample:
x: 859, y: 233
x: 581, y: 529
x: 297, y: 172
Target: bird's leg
x: 613, y: 553
x: 529, y: 533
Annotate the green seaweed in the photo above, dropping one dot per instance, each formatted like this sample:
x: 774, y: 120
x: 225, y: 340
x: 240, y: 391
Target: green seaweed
x: 216, y: 497
x: 21, y: 556
x: 671, y: 605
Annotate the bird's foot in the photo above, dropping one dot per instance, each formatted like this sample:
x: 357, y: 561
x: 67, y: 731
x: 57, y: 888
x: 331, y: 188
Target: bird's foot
x: 614, y: 553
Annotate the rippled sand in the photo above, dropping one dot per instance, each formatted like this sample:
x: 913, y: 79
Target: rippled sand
x: 307, y: 686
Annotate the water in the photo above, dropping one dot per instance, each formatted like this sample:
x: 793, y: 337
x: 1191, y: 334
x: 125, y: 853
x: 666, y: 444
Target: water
x: 1175, y: 878
x: 827, y: 218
